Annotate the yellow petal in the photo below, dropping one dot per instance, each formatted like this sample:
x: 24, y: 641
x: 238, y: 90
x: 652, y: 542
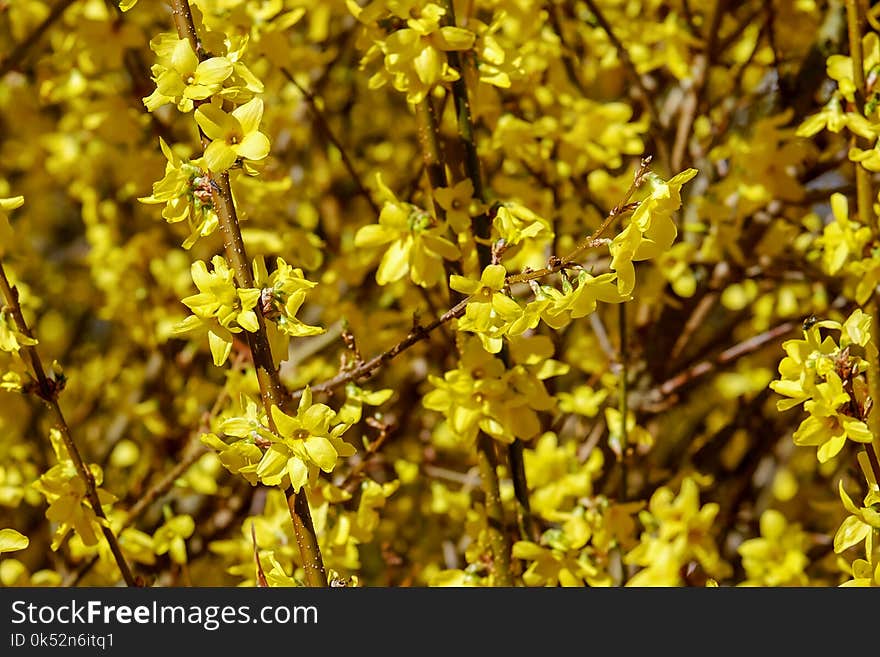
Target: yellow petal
x: 254, y: 146
x: 395, y: 262
x: 11, y: 540
x: 373, y: 235
x: 321, y: 451
x: 852, y: 532
x: 11, y: 203
x: 214, y: 122
x: 219, y: 156
x: 298, y: 472
x: 455, y: 38
x: 249, y: 115
x: 220, y: 345
x: 213, y: 71
x: 183, y: 59
x: 493, y: 277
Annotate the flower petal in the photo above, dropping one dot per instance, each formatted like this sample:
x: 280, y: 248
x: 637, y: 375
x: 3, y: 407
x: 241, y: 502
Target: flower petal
x: 214, y: 122
x: 219, y: 156
x: 213, y: 71
x: 249, y: 115
x: 254, y: 146
x: 321, y: 451
x: 11, y: 540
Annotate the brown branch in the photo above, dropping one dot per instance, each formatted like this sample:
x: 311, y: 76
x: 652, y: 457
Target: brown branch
x: 593, y: 240
x: 496, y: 526
x: 272, y: 391
x: 691, y: 104
x: 364, y: 370
x: 48, y: 391
x: 419, y: 333
x: 568, y: 62
x: 192, y: 452
x: 481, y: 229
x: 15, y: 58
x: 324, y: 126
x: 865, y: 194
x: 630, y: 70
x: 724, y: 358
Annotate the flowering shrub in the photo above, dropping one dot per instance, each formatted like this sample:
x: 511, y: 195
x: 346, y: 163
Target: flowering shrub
x: 439, y: 293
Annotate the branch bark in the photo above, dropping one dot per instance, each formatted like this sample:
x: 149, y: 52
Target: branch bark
x: 272, y: 391
x: 48, y: 392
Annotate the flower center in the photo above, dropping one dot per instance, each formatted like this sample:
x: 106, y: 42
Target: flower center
x: 300, y: 434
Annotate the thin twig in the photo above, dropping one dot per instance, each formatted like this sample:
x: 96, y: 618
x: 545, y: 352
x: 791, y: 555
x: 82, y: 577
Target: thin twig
x: 481, y: 227
x: 324, y: 126
x: 419, y: 333
x: 622, y: 403
x: 691, y: 104
x: 865, y: 195
x: 15, y: 58
x: 568, y: 62
x: 272, y: 391
x: 192, y: 452
x: 630, y: 69
x: 725, y: 357
x: 48, y: 391
x: 416, y: 335
x: 496, y: 526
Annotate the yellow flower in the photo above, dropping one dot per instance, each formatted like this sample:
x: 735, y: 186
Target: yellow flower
x: 777, y: 557
x: 841, y: 239
x: 481, y: 395
x: 171, y: 536
x: 181, y: 78
x: 826, y: 427
x: 220, y: 307
x: 186, y: 192
x: 840, y: 67
x: 862, y: 523
x: 234, y: 135
x: 414, y: 56
x: 835, y: 119
x: 305, y: 442
x: 679, y: 530
x: 416, y: 245
x: 456, y: 200
x: 489, y: 311
x: 651, y: 230
x: 65, y: 492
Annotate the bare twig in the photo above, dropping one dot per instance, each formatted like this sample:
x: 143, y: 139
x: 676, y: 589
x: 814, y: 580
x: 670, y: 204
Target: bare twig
x: 15, y: 58
x: 691, y: 104
x: 865, y: 194
x: 419, y: 333
x: 324, y: 126
x: 47, y: 390
x: 272, y: 391
x: 630, y: 69
x: 725, y: 357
